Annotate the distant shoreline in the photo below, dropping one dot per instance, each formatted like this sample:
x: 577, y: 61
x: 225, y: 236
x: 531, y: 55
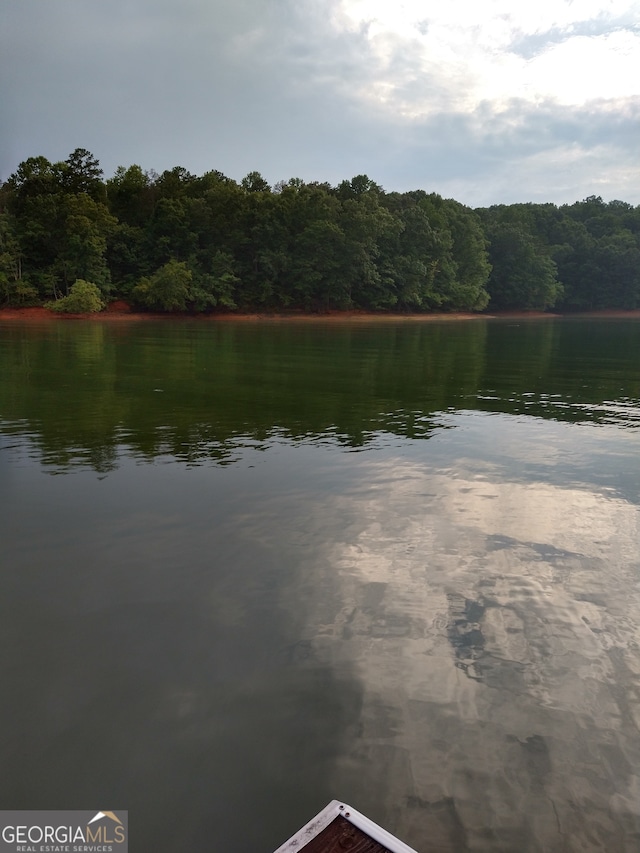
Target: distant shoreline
x: 121, y: 311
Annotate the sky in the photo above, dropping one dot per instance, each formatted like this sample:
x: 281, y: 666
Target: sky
x: 484, y: 101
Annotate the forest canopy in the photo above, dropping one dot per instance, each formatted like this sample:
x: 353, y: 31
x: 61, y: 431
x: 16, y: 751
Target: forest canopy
x: 181, y: 242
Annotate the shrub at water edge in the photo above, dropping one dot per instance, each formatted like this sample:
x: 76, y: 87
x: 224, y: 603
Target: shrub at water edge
x: 83, y: 298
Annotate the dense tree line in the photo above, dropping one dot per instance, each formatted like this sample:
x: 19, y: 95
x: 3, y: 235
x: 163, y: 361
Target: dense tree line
x: 179, y: 242
x: 579, y: 257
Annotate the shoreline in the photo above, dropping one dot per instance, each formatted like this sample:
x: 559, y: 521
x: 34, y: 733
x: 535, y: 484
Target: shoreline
x: 120, y: 311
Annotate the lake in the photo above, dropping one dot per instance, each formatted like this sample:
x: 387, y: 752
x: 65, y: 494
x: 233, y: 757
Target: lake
x: 250, y: 567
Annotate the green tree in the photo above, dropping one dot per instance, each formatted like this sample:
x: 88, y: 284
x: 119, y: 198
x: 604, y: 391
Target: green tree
x: 128, y: 256
x: 83, y: 298
x: 168, y: 231
x: 82, y: 247
x: 175, y: 183
x: 168, y: 289
x: 366, y: 224
x: 14, y: 289
x: 132, y: 195
x: 357, y: 186
x: 215, y: 289
x: 469, y: 255
x: 255, y: 183
x: 522, y: 276
x: 34, y: 177
x: 81, y: 173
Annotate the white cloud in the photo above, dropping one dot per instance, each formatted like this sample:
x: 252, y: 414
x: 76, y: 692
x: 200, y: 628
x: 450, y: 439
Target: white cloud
x: 465, y: 52
x: 583, y: 68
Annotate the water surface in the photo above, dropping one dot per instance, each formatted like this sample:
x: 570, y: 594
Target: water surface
x: 246, y: 569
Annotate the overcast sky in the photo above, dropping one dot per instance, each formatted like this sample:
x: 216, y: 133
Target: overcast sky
x: 485, y: 101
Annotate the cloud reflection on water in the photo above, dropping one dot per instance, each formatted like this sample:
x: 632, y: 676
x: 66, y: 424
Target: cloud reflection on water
x: 494, y: 627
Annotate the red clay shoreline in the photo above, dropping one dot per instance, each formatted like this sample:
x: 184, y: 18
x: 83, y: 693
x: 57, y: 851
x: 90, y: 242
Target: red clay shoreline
x: 121, y: 311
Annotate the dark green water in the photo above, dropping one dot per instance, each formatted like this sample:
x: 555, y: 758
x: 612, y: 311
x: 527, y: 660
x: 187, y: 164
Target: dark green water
x: 245, y: 569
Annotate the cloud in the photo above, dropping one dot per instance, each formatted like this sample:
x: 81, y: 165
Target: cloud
x: 530, y: 45
x: 483, y: 51
x: 517, y: 151
x: 325, y: 89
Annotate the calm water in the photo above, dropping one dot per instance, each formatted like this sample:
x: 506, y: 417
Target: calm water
x: 249, y: 568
